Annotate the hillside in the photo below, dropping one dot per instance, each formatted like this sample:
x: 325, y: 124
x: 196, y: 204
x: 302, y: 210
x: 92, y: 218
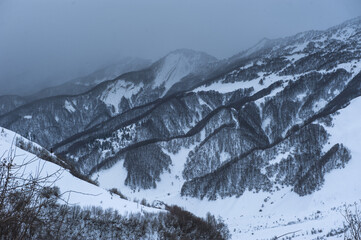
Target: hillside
x: 48, y: 201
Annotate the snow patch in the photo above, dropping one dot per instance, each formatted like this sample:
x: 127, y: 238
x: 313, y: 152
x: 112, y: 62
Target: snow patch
x: 266, y: 80
x: 224, y: 156
x: 117, y: 90
x: 317, y: 106
x: 278, y: 158
x: 266, y: 123
x: 202, y: 102
x: 295, y: 57
x: 301, y: 96
x: 68, y: 106
x: 298, y: 47
x: 343, y: 34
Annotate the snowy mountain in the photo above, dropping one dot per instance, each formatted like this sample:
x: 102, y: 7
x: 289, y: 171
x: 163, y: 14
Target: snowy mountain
x: 164, y: 77
x: 265, y: 138
x: 56, y: 118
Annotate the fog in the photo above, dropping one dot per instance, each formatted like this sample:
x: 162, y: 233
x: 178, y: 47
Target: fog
x: 46, y: 42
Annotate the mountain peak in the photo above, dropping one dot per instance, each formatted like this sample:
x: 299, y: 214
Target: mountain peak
x: 178, y: 64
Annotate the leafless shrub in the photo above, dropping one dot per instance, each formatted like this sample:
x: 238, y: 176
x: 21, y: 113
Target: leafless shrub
x: 23, y: 195
x: 352, y: 217
x: 30, y: 209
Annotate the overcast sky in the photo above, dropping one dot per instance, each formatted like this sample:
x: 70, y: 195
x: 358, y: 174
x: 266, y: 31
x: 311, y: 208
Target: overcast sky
x: 44, y: 42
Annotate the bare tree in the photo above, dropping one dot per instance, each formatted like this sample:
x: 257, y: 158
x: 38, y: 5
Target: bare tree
x: 352, y: 223
x: 24, y: 192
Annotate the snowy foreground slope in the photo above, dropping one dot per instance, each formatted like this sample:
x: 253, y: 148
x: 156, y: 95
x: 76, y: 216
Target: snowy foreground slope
x: 75, y: 209
x: 75, y: 190
x: 264, y: 215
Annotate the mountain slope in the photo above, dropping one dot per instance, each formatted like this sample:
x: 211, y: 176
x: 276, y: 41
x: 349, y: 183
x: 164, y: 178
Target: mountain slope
x: 76, y: 191
x: 51, y: 120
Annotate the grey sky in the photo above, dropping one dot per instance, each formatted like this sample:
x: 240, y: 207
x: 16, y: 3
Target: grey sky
x: 43, y: 42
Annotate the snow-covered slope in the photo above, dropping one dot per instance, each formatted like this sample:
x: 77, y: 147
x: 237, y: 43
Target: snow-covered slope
x: 264, y: 215
x: 73, y: 190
